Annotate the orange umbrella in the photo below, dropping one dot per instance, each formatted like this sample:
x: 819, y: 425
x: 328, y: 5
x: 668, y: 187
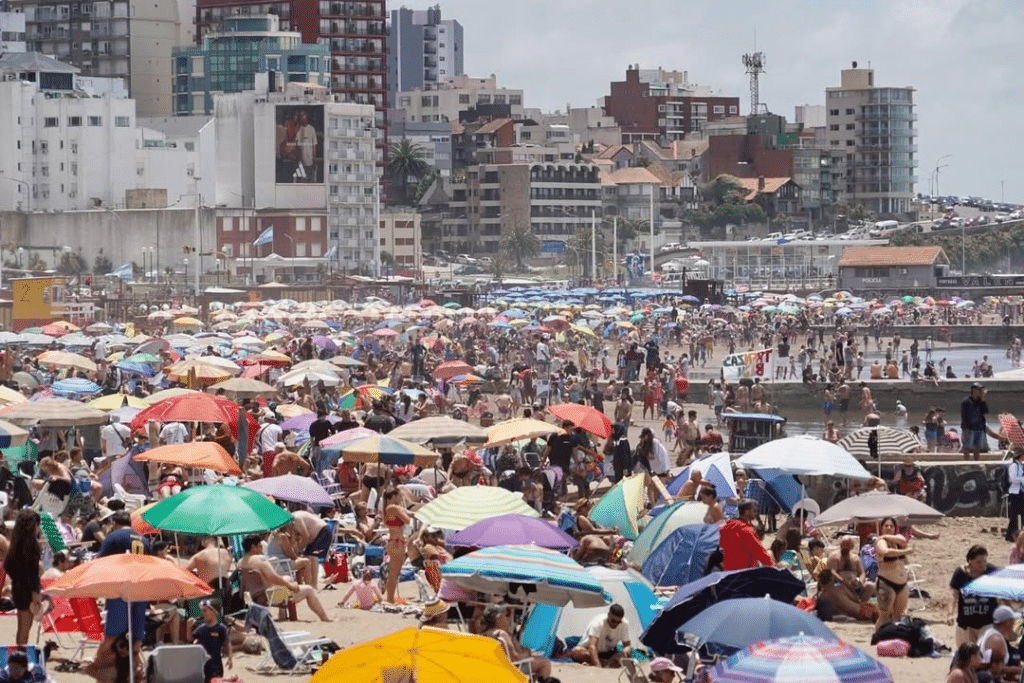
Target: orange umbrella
x: 140, y: 524
x: 452, y: 368
x: 200, y: 454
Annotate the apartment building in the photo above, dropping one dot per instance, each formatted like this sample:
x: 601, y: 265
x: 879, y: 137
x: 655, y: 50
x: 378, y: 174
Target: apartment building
x: 871, y: 135
x: 423, y: 50
x: 12, y: 32
x: 448, y: 100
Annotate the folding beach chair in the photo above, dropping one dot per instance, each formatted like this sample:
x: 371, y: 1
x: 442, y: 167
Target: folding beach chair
x: 177, y: 664
x: 287, y: 651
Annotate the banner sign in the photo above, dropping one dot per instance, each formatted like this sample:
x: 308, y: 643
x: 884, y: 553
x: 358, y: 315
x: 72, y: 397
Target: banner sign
x: 749, y: 364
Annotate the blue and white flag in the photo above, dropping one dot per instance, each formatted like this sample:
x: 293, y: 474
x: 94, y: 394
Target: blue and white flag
x: 331, y: 253
x: 125, y: 272
x: 266, y: 237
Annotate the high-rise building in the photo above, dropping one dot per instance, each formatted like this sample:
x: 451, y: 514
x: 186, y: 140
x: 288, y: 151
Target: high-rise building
x: 460, y: 97
x: 12, y: 32
x: 111, y: 39
x: 423, y: 49
x: 229, y: 60
x: 871, y: 137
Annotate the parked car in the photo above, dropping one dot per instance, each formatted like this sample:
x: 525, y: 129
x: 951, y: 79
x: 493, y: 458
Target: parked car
x: 470, y: 270
x: 465, y: 259
x: 486, y: 261
x: 671, y: 246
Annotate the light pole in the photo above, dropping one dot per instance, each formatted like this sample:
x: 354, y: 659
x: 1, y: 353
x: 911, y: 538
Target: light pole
x: 184, y: 285
x: 289, y: 238
x: 593, y: 247
x: 937, y: 168
x: 218, y: 272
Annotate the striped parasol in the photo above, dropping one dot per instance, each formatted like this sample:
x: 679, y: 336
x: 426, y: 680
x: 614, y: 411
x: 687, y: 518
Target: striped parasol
x: 387, y: 450
x: 1006, y: 583
x: 518, y: 429
x: 543, y: 576
x: 12, y: 435
x: 890, y: 442
x: 468, y: 505
x: 1012, y: 429
x: 807, y: 659
x: 440, y: 431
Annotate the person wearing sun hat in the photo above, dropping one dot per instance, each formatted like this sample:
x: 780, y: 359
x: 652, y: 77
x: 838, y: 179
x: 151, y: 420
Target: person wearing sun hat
x: 663, y: 670
x: 435, y: 614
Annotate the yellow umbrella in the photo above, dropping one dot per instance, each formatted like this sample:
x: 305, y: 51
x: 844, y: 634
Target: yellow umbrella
x: 65, y: 359
x: 424, y: 655
x: 510, y: 431
x: 185, y: 321
x: 115, y: 401
x: 292, y: 410
x: 9, y: 396
x: 204, y: 373
x: 583, y: 329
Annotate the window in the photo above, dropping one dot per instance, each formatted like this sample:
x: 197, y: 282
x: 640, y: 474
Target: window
x: 190, y: 146
x: 74, y: 148
x: 50, y: 122
x: 464, y: 99
x: 871, y: 272
x: 850, y: 112
x: 44, y: 147
x: 95, y: 120
x: 121, y: 121
x: 833, y: 112
x: 849, y: 143
x: 74, y: 121
x: 718, y: 109
x: 834, y: 126
x: 733, y: 109
x: 851, y: 126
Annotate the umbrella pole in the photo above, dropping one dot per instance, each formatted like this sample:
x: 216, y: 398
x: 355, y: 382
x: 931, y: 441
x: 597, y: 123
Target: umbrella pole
x: 131, y: 646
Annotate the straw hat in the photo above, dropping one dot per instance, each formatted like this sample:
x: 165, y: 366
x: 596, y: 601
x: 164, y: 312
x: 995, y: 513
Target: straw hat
x: 434, y: 608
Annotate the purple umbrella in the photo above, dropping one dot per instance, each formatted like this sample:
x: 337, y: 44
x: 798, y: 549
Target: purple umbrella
x: 300, y: 423
x: 512, y: 530
x: 292, y: 487
x: 324, y: 342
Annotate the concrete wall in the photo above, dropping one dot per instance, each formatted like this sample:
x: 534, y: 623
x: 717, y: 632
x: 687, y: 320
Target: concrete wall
x: 119, y: 235
x: 990, y: 335
x: 954, y: 489
x: 1002, y: 396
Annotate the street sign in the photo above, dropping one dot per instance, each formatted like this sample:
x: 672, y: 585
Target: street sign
x: 552, y: 246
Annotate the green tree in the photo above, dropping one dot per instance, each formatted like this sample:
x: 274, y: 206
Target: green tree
x: 36, y: 262
x: 753, y: 213
x: 520, y: 244
x: 386, y: 258
x: 71, y: 263
x: 406, y: 160
x: 579, y: 252
x: 724, y: 189
x: 641, y: 161
x: 102, y: 265
x: 499, y: 266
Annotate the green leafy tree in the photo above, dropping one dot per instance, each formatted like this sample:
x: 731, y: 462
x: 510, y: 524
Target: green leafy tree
x: 37, y: 262
x: 579, y: 252
x: 641, y: 161
x: 520, y: 244
x: 753, y: 213
x: 71, y: 263
x: 386, y: 258
x: 724, y: 189
x: 406, y: 160
x: 101, y: 265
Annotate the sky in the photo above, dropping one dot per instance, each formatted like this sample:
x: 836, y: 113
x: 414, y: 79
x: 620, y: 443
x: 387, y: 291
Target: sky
x: 962, y: 56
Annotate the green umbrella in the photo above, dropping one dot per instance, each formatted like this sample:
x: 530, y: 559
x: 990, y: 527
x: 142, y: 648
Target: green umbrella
x: 217, y: 510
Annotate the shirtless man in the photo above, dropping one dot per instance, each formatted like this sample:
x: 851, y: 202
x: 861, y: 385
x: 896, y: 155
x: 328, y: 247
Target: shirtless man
x: 373, y: 478
x: 624, y: 408
x: 254, y: 562
x: 846, y: 566
x: 287, y: 462
x: 867, y: 403
x: 504, y: 404
x: 212, y: 564
x: 691, y: 439
x: 314, y: 537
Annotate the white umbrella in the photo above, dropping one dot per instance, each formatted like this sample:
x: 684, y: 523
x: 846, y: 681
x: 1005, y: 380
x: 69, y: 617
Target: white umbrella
x: 871, y: 507
x: 296, y: 377
x: 805, y: 455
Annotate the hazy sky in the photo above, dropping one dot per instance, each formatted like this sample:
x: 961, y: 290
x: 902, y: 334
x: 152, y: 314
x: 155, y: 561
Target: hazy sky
x: 963, y: 56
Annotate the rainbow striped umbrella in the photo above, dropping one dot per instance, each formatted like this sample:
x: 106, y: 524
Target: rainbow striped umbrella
x: 808, y: 659
x: 387, y: 450
x: 468, y: 505
x: 540, y: 575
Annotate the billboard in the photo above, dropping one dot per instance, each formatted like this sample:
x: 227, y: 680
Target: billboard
x: 299, y: 154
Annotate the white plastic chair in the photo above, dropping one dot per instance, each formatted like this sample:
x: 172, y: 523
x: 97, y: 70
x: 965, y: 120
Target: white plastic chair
x: 132, y: 501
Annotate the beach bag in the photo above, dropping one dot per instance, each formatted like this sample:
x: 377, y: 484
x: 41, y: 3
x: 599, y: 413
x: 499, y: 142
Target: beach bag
x: 869, y: 561
x: 892, y: 648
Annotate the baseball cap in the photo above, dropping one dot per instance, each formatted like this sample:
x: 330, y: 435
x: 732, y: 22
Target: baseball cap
x: 977, y: 385
x: 665, y: 664
x: 1002, y: 614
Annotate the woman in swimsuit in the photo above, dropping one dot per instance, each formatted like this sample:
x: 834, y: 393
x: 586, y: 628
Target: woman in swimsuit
x: 395, y: 519
x: 892, y: 552
x: 708, y: 494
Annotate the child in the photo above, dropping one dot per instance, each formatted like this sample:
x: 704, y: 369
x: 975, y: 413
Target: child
x: 366, y: 591
x: 213, y: 636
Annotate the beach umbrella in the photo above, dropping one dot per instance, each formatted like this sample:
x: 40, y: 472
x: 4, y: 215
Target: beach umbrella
x: 693, y: 598
x: 741, y: 622
x: 513, y: 529
x: 440, y: 431
x: 682, y: 557
x: 890, y: 442
x: 52, y: 412
x: 1011, y: 427
x: 294, y: 488
x: 289, y: 410
x: 195, y: 369
x: 217, y: 510
x: 141, y: 525
x: 346, y: 362
x: 680, y: 513
x: 621, y: 506
x: 527, y: 572
x: 309, y: 376
x: 451, y: 369
x: 115, y: 401
x: 198, y: 407
x: 25, y: 380
x: 65, y: 359
x: 151, y: 578
x: 208, y: 455
x: 518, y: 429
x: 9, y: 396
x: 467, y: 505
x: 1006, y: 583
x: 423, y: 655
x: 628, y: 588
x: 803, y: 658
x: 136, y: 368
x: 387, y: 450
x: 74, y: 386
x: 871, y: 507
x: 804, y: 455
x: 165, y: 394
x: 240, y: 387
x: 587, y: 418
x: 715, y: 468
x: 12, y: 435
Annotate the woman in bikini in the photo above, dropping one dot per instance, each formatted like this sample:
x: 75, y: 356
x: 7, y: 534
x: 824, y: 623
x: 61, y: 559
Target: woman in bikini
x: 395, y: 519
x: 892, y: 551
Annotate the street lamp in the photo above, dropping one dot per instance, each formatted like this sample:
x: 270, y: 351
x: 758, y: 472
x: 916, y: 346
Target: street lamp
x: 184, y: 285
x: 289, y: 238
x: 218, y: 272
x: 937, y: 168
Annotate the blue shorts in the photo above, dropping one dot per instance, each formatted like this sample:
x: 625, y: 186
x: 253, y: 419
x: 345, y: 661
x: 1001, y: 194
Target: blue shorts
x: 319, y: 546
x: 117, y: 619
x: 973, y: 439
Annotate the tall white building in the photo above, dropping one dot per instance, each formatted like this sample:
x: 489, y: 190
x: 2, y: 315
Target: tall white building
x: 443, y: 101
x: 423, y: 49
x: 12, y: 32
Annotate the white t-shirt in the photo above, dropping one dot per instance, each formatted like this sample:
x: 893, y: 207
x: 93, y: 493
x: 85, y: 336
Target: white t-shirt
x: 608, y: 638
x: 269, y: 436
x: 113, y: 436
x: 543, y: 355
x: 659, y: 461
x: 173, y: 432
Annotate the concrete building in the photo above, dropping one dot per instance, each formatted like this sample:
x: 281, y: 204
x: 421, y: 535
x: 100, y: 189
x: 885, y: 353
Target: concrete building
x: 435, y: 139
x: 229, y: 60
x: 555, y: 200
x: 12, y: 32
x: 872, y: 138
x: 891, y: 269
x: 810, y: 115
x: 589, y: 125
x: 423, y: 50
x: 446, y: 101
x: 322, y: 163
x: 400, y: 232
x: 112, y: 39
x: 653, y: 104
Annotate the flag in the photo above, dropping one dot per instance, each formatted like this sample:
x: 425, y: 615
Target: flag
x: 331, y: 252
x: 266, y: 237
x: 125, y: 272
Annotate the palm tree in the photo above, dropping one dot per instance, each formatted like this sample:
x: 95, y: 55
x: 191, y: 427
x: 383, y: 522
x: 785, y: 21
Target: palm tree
x: 405, y: 160
x: 520, y: 244
x: 580, y: 250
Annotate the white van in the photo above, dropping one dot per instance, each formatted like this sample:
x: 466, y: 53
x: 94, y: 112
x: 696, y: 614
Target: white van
x: 885, y: 225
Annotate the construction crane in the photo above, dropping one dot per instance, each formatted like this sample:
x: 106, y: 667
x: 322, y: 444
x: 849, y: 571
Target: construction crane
x: 755, y: 67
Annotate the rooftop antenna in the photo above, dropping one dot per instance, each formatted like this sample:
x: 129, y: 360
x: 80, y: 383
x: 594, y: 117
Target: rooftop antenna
x: 754, y: 62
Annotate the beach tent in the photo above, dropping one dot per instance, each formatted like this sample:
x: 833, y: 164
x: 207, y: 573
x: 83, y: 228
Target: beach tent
x: 683, y: 556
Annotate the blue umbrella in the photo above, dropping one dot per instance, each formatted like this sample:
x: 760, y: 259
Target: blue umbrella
x: 136, y: 368
x: 689, y: 299
x: 696, y: 596
x: 1006, y: 583
x: 75, y: 385
x: 682, y: 557
x: 743, y: 621
x: 801, y: 658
